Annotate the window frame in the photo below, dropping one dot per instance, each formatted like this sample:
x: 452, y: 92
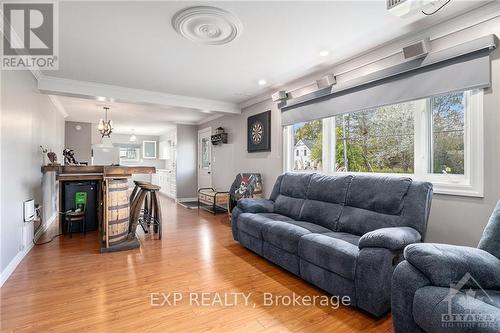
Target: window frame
x: 471, y: 183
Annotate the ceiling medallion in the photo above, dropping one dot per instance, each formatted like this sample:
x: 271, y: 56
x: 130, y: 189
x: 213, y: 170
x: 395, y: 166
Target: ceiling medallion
x: 207, y: 25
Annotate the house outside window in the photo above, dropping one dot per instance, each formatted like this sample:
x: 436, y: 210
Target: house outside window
x: 437, y: 139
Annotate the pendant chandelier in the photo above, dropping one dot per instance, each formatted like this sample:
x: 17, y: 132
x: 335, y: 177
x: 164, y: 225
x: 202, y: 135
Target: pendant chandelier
x: 105, y: 126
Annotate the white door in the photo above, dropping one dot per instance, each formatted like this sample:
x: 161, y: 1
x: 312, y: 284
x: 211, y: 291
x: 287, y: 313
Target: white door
x: 204, y: 158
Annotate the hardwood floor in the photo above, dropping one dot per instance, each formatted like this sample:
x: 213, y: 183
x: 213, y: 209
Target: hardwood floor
x: 68, y: 286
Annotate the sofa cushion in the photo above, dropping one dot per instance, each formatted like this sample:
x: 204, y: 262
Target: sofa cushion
x: 335, y: 251
x: 276, y: 217
x: 252, y: 224
x: 378, y: 194
x: 288, y: 206
x: 286, y: 235
x: 329, y: 188
x: 359, y: 221
x: 325, y: 199
x: 295, y: 185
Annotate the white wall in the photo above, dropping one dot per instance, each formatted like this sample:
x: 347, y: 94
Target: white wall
x: 453, y: 219
x: 28, y: 120
x: 232, y: 158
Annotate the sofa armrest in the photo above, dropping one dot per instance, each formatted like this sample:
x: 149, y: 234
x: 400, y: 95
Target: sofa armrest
x: 445, y: 264
x: 249, y: 205
x: 390, y: 238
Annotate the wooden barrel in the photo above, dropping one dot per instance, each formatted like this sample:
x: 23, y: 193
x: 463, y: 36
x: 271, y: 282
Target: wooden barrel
x: 118, y: 210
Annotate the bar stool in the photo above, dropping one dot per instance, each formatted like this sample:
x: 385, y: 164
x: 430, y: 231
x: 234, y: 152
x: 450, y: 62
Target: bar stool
x: 137, y: 183
x: 145, y: 210
x: 71, y: 217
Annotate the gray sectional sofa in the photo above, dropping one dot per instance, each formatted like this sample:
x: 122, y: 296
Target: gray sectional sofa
x: 344, y: 234
x: 449, y: 289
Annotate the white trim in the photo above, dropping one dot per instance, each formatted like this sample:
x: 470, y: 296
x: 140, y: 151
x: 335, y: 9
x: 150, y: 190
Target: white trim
x: 99, y: 91
x: 470, y: 184
x: 11, y: 267
x: 206, y: 120
x: 198, y: 156
x: 58, y: 105
x: 144, y: 150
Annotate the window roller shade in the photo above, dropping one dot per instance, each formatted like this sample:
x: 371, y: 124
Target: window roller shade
x: 469, y: 71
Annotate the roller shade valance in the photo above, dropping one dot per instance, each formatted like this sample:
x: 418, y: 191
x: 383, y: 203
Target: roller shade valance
x: 396, y: 85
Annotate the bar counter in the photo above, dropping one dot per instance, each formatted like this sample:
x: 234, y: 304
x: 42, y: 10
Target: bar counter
x: 112, y: 200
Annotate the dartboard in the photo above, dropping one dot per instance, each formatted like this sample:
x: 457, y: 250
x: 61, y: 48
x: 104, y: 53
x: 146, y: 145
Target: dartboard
x: 257, y: 132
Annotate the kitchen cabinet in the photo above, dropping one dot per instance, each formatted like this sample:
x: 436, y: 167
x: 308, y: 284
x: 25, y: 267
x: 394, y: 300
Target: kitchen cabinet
x: 166, y: 179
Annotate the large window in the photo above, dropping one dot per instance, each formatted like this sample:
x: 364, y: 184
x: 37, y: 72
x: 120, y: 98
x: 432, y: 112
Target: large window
x: 438, y: 139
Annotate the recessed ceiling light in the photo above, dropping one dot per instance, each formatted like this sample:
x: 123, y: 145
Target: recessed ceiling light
x: 324, y: 53
x: 262, y: 82
x: 206, y: 111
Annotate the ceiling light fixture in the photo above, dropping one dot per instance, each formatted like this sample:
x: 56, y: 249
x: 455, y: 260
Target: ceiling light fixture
x: 262, y: 82
x: 324, y: 53
x: 105, y: 126
x: 206, y: 111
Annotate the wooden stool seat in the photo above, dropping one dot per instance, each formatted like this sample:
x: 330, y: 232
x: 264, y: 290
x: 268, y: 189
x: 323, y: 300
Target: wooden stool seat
x: 150, y: 187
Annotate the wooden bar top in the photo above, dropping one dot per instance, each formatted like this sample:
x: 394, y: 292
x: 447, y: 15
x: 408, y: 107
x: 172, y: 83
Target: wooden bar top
x: 99, y: 170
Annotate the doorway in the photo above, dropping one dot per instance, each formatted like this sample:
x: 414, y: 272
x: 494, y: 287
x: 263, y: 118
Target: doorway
x: 204, y: 158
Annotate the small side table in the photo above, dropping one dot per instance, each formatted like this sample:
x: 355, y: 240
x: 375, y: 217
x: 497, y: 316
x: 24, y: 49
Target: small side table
x: 212, y: 201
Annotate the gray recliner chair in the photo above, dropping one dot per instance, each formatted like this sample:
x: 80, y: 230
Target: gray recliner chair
x: 447, y: 288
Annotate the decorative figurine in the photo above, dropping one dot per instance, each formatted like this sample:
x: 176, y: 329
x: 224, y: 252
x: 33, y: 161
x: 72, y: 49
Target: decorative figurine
x: 69, y: 157
x: 52, y: 158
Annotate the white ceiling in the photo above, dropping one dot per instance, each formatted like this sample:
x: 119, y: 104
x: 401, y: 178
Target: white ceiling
x: 130, y: 118
x: 132, y: 44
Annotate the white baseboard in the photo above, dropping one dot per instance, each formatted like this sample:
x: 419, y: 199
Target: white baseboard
x: 11, y: 267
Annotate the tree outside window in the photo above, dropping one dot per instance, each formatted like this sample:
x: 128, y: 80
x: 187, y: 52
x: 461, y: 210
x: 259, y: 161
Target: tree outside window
x: 379, y: 140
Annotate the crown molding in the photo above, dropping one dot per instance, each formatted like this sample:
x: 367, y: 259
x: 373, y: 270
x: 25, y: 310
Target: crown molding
x: 104, y: 92
x: 58, y: 105
x: 206, y: 120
